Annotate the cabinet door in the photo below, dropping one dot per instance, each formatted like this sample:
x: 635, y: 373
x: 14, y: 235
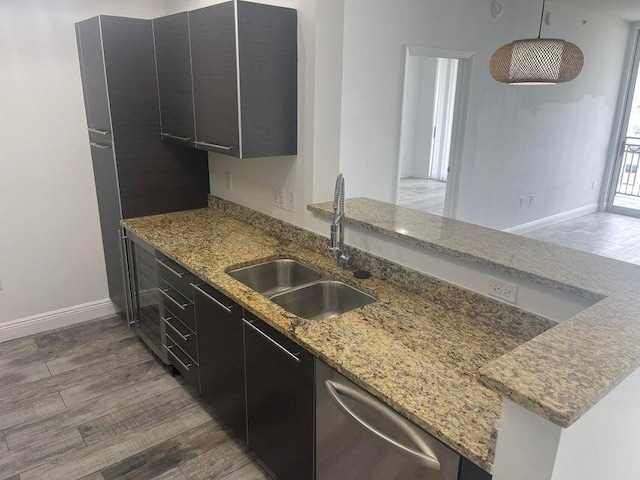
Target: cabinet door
x: 215, y: 81
x: 105, y: 176
x: 280, y: 389
x: 173, y: 64
x: 221, y: 354
x: 268, y: 56
x: 93, y: 75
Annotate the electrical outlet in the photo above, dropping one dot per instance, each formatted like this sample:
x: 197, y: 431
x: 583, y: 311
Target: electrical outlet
x: 278, y: 197
x: 502, y: 290
x: 229, y: 182
x: 291, y: 201
x: 593, y: 185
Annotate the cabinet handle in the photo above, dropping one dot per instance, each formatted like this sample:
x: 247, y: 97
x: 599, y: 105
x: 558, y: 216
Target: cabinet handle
x: 183, y: 337
x: 214, y: 145
x: 100, y: 132
x: 294, y: 356
x: 101, y: 146
x: 172, y: 270
x: 217, y: 302
x: 182, y: 306
x: 175, y: 137
x: 423, y: 454
x: 186, y: 367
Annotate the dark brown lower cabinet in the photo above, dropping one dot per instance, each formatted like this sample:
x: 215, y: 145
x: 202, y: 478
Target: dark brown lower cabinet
x: 221, y: 356
x: 280, y: 393
x: 470, y: 471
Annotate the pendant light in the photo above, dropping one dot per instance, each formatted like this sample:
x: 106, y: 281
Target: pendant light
x: 536, y: 61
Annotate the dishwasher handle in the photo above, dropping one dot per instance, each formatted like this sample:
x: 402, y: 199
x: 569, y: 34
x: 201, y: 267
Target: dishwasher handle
x: 423, y: 453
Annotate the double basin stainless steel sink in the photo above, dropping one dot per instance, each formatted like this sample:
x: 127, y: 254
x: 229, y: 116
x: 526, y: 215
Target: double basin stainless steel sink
x: 301, y: 290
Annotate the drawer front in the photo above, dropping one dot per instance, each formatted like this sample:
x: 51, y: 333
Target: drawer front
x: 184, y: 337
x: 178, y: 305
x: 185, y: 365
x: 178, y: 277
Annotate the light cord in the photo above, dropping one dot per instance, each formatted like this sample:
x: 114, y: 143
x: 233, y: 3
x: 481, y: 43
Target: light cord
x: 541, y: 18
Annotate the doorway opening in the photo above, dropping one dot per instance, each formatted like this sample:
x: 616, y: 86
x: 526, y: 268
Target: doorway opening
x: 625, y: 188
x: 431, y: 134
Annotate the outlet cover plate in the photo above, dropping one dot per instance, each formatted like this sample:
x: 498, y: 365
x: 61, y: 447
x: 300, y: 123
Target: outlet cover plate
x: 291, y: 201
x: 503, y: 290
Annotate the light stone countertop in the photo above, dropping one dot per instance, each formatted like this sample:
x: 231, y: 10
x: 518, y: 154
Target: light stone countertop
x: 419, y: 351
x: 563, y: 372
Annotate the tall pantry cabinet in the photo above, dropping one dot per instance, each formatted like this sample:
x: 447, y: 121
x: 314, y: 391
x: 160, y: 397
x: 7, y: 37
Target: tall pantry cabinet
x: 135, y: 172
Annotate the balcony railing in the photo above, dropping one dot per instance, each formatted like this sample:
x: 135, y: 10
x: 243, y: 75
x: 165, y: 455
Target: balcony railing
x: 629, y: 178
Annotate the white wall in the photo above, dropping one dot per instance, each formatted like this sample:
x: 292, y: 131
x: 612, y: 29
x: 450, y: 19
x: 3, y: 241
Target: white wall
x: 550, y: 142
x: 602, y: 444
x: 417, y: 116
x: 50, y: 245
x: 50, y: 249
x: 311, y: 174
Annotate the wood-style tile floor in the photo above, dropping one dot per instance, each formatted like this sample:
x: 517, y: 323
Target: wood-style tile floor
x: 602, y: 233
x: 91, y: 402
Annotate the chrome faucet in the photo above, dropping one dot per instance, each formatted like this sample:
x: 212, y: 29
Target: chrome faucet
x: 336, y: 246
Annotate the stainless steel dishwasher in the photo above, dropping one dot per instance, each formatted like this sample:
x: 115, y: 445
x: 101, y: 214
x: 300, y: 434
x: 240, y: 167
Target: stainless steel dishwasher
x: 359, y: 437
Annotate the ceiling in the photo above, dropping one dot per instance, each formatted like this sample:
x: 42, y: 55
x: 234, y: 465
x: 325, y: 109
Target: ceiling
x: 625, y: 9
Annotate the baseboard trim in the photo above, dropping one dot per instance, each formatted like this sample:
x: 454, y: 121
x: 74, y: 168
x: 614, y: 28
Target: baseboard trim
x: 553, y: 219
x: 43, y: 322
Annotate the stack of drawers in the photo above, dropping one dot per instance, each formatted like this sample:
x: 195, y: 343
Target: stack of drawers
x: 178, y: 317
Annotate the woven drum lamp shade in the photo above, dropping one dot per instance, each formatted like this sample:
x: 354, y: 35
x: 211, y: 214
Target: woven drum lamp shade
x: 536, y: 61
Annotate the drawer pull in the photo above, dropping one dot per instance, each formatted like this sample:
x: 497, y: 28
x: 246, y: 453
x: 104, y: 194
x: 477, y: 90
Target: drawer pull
x: 217, y: 302
x: 101, y: 146
x: 183, y: 337
x: 169, y: 349
x: 214, y: 145
x: 294, y: 356
x: 181, y: 306
x: 168, y: 267
x: 99, y: 132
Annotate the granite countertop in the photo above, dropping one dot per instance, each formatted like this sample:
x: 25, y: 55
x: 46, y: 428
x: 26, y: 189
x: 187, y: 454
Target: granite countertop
x: 417, y: 351
x: 562, y: 373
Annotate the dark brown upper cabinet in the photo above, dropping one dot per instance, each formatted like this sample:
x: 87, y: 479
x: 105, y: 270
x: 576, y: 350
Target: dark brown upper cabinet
x: 244, y: 62
x: 175, y: 89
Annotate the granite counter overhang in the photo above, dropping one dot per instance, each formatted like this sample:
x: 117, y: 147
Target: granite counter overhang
x: 562, y: 373
x: 409, y: 352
